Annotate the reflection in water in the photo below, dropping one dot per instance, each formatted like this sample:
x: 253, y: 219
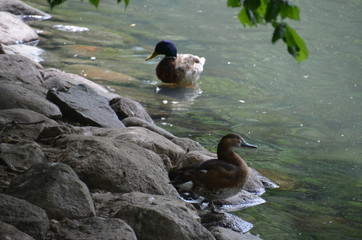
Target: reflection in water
x: 182, y: 93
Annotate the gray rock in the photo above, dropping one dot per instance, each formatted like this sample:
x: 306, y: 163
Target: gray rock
x: 14, y: 95
x: 56, y: 188
x: 188, y: 144
x: 9, y: 232
x: 82, y: 104
x: 115, y: 166
x: 238, y: 202
x: 221, y: 233
x: 138, y: 122
x: 24, y: 216
x: 54, y: 78
x: 17, y: 7
x: 144, y: 138
x: 194, y: 156
x: 95, y: 228
x: 21, y: 155
x: 254, y: 184
x: 29, y: 124
x: 159, y: 218
x: 125, y: 107
x: 226, y: 220
x: 14, y: 31
x: 28, y: 51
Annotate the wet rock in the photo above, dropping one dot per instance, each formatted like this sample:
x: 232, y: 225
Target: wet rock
x: 14, y: 31
x: 14, y: 95
x: 144, y: 138
x: 24, y: 216
x: 138, y: 122
x: 95, y: 228
x: 226, y: 220
x: 159, y: 217
x: 221, y: 233
x: 1, y: 49
x: 82, y: 104
x: 115, y: 166
x: 28, y: 51
x: 188, y: 144
x: 22, y: 155
x: 17, y: 7
x: 238, y: 202
x: 125, y: 107
x: 9, y: 232
x: 56, y: 188
x: 23, y: 124
x: 54, y: 78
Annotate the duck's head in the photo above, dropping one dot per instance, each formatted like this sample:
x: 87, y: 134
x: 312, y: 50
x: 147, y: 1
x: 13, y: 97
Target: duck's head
x: 164, y: 47
x: 232, y: 141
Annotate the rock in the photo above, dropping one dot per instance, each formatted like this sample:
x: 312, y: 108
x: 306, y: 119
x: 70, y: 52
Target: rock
x: 1, y: 49
x: 159, y: 217
x: 54, y: 78
x: 24, y: 216
x: 233, y: 222
x: 188, y: 144
x: 138, y: 122
x: 221, y: 233
x: 21, y: 155
x: 17, y: 7
x: 238, y: 202
x: 27, y: 51
x: 95, y: 228
x: 82, y: 104
x: 9, y: 232
x: 253, y: 183
x: 125, y: 107
x: 115, y: 166
x: 56, y: 188
x: 14, y: 95
x: 144, y: 138
x: 22, y: 70
x: 29, y: 124
x: 194, y: 157
x: 14, y: 31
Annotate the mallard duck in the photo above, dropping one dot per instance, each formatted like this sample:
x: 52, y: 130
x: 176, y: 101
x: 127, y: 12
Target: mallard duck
x: 219, y: 178
x: 180, y: 69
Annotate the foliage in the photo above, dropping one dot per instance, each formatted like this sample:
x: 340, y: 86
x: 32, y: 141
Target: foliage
x: 273, y: 12
x: 255, y: 12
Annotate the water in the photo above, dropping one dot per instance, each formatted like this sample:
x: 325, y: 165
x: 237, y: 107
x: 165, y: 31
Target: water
x: 306, y: 118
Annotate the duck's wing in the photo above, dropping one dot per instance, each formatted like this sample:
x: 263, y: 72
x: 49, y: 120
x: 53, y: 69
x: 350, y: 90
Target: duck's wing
x: 189, y: 67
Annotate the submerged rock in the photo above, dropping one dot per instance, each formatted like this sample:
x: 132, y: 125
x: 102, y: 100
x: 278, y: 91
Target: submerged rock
x: 14, y: 31
x: 24, y: 216
x: 9, y: 232
x: 156, y: 217
x: 82, y: 104
x: 94, y: 228
x: 56, y: 188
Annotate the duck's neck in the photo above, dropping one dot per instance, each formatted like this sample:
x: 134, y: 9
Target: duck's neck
x: 225, y: 153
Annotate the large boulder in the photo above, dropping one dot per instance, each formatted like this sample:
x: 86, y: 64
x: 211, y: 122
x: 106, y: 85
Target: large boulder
x: 14, y: 31
x: 157, y: 217
x: 115, y: 166
x: 9, y: 232
x: 56, y: 188
x: 144, y: 138
x: 21, y: 155
x: 82, y: 104
x: 95, y: 228
x: 24, y: 216
x: 188, y: 144
x: 54, y: 78
x: 14, y: 95
x: 17, y: 7
x: 23, y: 124
x: 138, y: 122
x: 125, y: 107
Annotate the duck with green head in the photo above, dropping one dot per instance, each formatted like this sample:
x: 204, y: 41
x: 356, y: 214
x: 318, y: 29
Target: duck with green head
x: 179, y: 69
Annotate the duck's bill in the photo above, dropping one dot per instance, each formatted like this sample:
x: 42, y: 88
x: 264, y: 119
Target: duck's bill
x: 246, y: 144
x: 154, y: 54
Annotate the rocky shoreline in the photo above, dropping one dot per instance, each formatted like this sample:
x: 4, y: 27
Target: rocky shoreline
x: 79, y: 162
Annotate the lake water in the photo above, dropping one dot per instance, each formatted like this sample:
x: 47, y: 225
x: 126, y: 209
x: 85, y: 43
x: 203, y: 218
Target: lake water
x: 306, y: 118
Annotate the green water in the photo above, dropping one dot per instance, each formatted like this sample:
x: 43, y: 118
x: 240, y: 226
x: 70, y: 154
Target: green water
x: 306, y: 118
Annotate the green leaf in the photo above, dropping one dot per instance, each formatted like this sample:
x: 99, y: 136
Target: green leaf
x: 296, y: 45
x: 54, y: 3
x: 252, y: 4
x: 279, y: 32
x: 234, y: 3
x: 94, y: 2
x: 272, y: 11
x: 289, y: 11
x: 244, y: 17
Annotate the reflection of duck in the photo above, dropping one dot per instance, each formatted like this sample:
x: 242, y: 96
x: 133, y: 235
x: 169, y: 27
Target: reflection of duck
x: 180, y: 69
x: 217, y: 178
